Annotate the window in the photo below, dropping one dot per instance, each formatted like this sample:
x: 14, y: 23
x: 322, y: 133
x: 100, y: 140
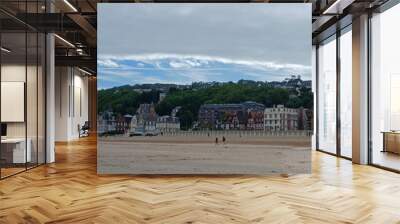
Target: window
x: 385, y: 89
x: 346, y: 93
x: 327, y: 95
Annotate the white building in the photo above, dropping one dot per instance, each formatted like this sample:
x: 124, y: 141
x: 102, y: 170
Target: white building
x: 168, y: 124
x: 133, y: 125
x: 280, y: 118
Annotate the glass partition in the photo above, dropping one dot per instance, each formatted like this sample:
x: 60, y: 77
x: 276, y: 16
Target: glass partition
x: 22, y: 91
x: 14, y: 153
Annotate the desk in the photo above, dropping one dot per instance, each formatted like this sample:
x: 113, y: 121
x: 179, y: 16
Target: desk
x: 391, y: 141
x: 13, y: 150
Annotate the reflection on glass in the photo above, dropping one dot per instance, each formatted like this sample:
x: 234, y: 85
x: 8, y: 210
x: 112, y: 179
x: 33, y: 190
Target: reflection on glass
x: 327, y: 96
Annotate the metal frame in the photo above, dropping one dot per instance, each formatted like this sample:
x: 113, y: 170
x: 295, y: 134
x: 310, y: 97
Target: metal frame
x: 338, y: 95
x: 369, y: 100
x: 316, y: 114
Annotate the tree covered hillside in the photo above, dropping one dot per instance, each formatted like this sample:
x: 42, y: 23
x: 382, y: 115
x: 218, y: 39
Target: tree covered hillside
x: 125, y: 100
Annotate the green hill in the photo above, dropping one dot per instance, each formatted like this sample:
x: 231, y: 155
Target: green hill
x: 126, y: 99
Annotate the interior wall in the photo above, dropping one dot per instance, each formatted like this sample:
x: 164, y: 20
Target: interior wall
x: 61, y: 103
x: 71, y: 102
x: 32, y: 126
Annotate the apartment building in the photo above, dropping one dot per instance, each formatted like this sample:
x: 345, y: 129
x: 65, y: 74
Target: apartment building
x: 281, y: 118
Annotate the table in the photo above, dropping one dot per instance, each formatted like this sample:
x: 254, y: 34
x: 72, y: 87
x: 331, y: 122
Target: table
x: 13, y: 150
x: 391, y: 141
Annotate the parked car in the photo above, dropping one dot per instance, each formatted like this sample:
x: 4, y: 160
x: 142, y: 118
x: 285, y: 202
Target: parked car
x: 151, y: 134
x: 136, y: 134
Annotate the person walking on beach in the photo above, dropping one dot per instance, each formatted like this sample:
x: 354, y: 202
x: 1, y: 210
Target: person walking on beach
x: 223, y: 140
x: 216, y: 140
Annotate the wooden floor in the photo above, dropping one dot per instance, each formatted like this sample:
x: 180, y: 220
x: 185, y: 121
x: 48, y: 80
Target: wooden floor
x: 387, y: 159
x: 69, y: 191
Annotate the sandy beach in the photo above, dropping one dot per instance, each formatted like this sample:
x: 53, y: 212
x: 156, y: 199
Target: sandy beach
x: 259, y: 155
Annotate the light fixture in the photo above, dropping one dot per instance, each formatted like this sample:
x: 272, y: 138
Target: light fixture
x: 5, y: 50
x: 337, y: 7
x: 64, y: 40
x: 80, y: 51
x: 70, y: 5
x: 84, y: 71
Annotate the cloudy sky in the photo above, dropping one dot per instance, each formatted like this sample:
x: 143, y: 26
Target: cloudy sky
x: 184, y: 43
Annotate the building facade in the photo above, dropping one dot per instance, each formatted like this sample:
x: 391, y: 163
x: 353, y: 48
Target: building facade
x: 244, y: 116
x: 305, y: 118
x: 106, y: 122
x: 280, y: 118
x: 147, y: 121
x: 168, y: 124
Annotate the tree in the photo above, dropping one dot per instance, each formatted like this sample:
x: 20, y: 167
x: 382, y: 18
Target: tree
x: 186, y: 118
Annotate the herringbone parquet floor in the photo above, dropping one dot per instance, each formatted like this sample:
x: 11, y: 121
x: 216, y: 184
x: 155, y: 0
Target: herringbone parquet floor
x: 69, y: 191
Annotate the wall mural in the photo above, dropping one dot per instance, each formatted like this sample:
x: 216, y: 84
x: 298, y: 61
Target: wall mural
x: 204, y: 89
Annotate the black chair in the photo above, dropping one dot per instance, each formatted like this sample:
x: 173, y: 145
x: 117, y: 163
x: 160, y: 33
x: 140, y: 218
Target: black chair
x: 84, y: 130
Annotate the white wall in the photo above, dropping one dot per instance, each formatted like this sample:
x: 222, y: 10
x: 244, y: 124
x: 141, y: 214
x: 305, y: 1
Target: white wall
x: 16, y: 73
x: 12, y: 73
x: 71, y: 102
x: 33, y: 125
